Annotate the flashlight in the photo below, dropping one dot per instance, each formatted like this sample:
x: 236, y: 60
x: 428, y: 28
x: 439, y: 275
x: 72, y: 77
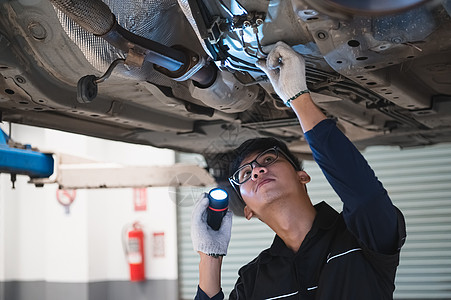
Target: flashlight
x: 217, y: 208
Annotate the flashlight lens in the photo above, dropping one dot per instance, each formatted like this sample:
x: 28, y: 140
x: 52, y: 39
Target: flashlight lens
x: 218, y: 194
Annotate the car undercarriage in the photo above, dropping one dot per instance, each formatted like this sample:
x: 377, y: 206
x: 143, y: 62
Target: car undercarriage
x: 182, y: 75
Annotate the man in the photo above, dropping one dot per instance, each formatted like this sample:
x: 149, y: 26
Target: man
x: 317, y: 253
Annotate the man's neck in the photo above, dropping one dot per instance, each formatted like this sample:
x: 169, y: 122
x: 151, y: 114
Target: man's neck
x: 293, y: 221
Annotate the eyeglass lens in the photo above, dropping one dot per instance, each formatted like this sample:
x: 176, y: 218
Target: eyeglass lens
x: 264, y: 159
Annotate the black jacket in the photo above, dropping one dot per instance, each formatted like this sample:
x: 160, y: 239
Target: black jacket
x: 330, y: 264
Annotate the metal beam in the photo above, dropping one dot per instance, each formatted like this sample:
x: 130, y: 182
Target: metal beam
x: 78, y: 173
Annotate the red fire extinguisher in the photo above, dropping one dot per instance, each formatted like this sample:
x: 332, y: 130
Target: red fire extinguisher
x: 133, y: 242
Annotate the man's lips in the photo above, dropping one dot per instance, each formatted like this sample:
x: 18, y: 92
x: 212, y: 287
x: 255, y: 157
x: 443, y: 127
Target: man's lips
x: 264, y: 181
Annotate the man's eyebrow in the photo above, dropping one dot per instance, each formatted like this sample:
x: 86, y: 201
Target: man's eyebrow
x: 249, y: 158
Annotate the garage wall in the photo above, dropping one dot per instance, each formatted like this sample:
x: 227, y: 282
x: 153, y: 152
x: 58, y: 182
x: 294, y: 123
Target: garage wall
x: 419, y: 183
x: 46, y: 254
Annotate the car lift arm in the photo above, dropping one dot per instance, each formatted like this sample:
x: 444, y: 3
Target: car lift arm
x: 73, y: 172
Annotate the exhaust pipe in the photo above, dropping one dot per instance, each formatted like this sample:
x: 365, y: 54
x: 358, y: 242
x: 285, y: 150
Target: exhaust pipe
x: 177, y: 63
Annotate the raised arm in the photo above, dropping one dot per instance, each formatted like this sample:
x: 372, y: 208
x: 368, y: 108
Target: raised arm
x: 210, y: 274
x: 368, y: 211
x: 211, y: 246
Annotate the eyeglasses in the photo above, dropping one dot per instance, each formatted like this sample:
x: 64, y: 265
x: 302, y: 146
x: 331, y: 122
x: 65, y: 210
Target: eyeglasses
x: 264, y: 159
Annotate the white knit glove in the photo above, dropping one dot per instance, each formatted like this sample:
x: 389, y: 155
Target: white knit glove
x: 285, y: 69
x: 204, y: 238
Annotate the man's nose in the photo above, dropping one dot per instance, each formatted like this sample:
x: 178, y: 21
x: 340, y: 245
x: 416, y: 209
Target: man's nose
x: 258, y: 170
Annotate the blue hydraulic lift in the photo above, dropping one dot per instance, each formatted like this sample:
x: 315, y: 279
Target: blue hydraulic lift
x: 17, y: 161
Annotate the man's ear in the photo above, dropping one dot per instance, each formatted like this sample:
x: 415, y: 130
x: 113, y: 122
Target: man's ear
x: 303, y: 177
x: 248, y: 213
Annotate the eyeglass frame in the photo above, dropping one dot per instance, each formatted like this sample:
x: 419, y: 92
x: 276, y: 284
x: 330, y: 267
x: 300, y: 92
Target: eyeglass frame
x: 276, y: 149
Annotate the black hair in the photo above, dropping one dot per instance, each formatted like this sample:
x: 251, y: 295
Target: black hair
x: 236, y: 204
x: 259, y: 145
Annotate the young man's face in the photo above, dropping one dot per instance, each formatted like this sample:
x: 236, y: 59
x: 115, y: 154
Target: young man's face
x: 267, y: 184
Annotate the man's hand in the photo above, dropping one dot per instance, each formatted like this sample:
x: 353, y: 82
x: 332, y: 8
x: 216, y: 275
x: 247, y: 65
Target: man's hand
x: 207, y: 241
x: 204, y: 238
x: 286, y: 71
